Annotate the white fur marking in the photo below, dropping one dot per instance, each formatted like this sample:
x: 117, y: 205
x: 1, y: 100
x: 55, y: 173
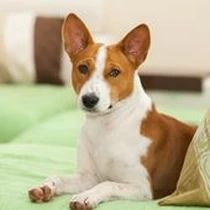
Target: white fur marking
x: 97, y: 84
x: 101, y: 61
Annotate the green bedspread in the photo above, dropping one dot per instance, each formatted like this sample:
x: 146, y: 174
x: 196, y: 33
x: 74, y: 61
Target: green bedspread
x: 24, y: 165
x: 39, y: 126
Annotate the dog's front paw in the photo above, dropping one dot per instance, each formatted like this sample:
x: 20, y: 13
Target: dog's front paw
x: 83, y: 201
x: 77, y: 205
x: 41, y: 194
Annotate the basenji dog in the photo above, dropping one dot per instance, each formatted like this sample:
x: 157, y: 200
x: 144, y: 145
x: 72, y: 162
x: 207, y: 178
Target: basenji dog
x: 127, y: 149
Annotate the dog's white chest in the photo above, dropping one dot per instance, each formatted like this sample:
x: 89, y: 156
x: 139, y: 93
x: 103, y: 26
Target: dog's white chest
x: 117, y: 149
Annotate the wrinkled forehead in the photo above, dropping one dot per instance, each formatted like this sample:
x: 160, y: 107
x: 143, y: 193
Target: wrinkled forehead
x: 89, y: 53
x: 100, y: 53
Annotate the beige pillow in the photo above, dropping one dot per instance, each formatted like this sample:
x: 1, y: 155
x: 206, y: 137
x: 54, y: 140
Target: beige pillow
x: 193, y: 187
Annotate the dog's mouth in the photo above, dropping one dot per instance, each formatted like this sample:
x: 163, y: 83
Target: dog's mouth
x: 95, y: 111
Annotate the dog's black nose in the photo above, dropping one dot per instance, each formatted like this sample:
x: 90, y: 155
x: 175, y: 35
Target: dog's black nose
x: 90, y: 100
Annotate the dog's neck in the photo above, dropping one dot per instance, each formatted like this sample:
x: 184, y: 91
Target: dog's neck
x: 137, y: 104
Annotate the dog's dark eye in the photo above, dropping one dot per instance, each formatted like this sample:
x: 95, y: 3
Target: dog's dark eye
x: 114, y: 72
x: 83, y: 68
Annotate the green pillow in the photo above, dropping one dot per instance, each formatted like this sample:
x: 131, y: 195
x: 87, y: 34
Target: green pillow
x: 22, y: 107
x: 62, y: 129
x: 193, y: 187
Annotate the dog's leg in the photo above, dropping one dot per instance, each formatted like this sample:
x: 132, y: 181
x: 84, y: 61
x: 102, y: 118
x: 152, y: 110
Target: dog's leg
x: 107, y: 191
x: 83, y: 180
x: 59, y: 185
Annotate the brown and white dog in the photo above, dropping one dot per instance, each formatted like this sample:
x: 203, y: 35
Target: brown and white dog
x: 127, y: 150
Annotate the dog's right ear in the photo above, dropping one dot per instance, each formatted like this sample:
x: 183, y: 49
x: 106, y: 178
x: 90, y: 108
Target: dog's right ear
x: 76, y: 36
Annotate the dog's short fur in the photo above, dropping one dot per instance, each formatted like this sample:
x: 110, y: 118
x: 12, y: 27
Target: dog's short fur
x: 127, y: 149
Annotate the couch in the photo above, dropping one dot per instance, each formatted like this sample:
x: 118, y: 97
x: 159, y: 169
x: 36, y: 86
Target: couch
x: 39, y: 128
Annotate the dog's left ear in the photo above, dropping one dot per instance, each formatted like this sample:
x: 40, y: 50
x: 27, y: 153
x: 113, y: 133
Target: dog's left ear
x: 135, y: 44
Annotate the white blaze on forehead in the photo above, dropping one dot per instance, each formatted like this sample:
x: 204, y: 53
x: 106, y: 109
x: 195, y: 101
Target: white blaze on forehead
x: 96, y: 84
x: 100, y: 60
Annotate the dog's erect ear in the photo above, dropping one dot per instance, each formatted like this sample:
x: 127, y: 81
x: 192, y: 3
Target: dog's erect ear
x: 76, y: 36
x: 135, y: 44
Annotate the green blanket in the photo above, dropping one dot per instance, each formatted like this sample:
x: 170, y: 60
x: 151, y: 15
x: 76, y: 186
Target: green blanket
x: 26, y: 165
x: 39, y: 127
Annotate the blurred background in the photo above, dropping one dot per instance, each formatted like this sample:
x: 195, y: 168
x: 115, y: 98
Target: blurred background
x: 39, y: 120
x: 180, y: 29
x: 176, y: 72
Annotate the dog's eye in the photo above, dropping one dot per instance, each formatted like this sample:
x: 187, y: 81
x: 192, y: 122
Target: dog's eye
x: 83, y: 68
x: 114, y: 72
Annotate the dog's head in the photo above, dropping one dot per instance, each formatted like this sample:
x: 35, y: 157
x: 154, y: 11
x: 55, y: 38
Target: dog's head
x: 103, y: 75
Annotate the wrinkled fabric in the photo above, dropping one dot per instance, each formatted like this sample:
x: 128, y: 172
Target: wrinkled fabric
x: 193, y: 187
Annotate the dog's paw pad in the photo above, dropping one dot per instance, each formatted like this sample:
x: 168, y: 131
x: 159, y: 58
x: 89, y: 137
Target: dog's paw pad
x: 36, y: 194
x: 77, y: 205
x: 41, y: 194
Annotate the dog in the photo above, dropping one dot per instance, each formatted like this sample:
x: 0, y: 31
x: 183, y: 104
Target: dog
x: 127, y: 149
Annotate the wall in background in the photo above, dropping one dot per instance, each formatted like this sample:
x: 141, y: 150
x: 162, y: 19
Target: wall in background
x: 90, y: 10
x: 180, y: 32
x: 180, y: 29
